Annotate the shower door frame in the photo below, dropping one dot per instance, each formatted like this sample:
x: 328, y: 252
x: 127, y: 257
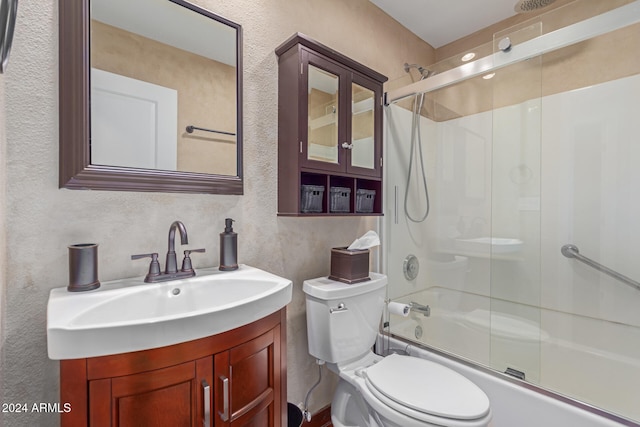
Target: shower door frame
x: 604, y: 23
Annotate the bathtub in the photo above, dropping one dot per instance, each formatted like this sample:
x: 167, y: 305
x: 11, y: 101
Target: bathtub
x: 530, y: 341
x: 512, y: 403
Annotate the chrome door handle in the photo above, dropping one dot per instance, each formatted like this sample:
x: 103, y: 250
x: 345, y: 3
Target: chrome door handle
x: 206, y: 392
x: 224, y: 414
x: 347, y: 145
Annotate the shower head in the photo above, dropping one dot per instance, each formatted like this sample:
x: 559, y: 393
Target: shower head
x: 408, y: 67
x: 525, y: 6
x: 424, y: 72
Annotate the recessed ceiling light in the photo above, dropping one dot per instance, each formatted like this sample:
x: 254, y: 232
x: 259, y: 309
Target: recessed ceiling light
x: 468, y: 57
x: 488, y: 76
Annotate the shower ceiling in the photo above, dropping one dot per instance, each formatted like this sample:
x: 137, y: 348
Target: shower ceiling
x: 440, y: 22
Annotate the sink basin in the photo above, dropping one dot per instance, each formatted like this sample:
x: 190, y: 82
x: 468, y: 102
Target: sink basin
x: 130, y: 315
x: 487, y: 245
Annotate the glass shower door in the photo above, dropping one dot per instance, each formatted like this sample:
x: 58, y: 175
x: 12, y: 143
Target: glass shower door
x: 434, y: 261
x: 520, y: 163
x: 514, y: 244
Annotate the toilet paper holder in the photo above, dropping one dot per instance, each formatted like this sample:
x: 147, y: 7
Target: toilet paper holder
x: 405, y: 309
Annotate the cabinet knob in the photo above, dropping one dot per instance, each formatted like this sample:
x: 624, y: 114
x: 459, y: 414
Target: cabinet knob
x: 347, y: 145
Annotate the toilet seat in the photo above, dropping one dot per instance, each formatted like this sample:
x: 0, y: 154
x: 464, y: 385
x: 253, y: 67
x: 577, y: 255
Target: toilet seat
x: 425, y: 390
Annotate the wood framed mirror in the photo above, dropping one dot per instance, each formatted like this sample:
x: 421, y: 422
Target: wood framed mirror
x: 206, y: 154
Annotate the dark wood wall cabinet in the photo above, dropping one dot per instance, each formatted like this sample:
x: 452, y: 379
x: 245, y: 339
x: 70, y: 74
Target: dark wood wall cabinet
x: 329, y: 132
x: 236, y: 378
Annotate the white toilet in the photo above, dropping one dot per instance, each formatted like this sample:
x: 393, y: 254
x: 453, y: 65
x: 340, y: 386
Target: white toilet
x: 376, y: 391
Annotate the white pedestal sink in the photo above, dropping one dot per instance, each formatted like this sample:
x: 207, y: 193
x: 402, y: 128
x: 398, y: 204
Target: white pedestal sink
x: 130, y: 315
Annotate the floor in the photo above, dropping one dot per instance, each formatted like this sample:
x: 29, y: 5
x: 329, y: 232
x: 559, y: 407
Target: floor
x: 322, y: 418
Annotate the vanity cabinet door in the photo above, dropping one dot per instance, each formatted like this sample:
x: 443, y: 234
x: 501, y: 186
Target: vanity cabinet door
x: 185, y: 384
x: 248, y: 377
x: 172, y: 396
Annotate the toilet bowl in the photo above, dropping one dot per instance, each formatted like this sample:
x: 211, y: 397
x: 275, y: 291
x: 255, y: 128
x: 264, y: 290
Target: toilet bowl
x: 376, y: 391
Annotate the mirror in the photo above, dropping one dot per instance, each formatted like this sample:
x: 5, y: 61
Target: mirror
x: 362, y: 127
x: 146, y: 105
x: 8, y: 12
x: 323, y: 117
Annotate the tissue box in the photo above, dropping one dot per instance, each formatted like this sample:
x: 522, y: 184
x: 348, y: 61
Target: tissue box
x: 349, y: 266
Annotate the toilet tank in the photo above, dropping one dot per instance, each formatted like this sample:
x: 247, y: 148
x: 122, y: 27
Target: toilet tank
x: 343, y: 320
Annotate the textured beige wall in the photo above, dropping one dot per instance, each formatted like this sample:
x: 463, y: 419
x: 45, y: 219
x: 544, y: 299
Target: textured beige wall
x: 42, y: 219
x: 206, y: 92
x: 3, y: 228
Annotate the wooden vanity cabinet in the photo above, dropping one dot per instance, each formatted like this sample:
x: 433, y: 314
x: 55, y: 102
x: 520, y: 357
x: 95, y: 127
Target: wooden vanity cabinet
x: 329, y: 131
x: 168, y: 396
x: 238, y: 378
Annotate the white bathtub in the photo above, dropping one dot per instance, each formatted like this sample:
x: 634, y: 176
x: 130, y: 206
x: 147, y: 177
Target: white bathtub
x: 587, y: 359
x: 515, y: 405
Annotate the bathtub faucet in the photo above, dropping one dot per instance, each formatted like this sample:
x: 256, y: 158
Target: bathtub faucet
x: 419, y: 308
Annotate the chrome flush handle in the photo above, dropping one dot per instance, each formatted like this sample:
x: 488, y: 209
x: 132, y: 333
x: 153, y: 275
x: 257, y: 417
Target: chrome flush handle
x: 340, y: 308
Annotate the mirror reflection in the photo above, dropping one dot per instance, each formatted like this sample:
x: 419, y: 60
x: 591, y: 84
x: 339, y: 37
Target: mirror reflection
x: 324, y: 143
x: 163, y: 88
x: 323, y: 115
x: 362, y: 127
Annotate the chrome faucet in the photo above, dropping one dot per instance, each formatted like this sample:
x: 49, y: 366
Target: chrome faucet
x: 425, y: 310
x: 171, y: 265
x: 171, y: 271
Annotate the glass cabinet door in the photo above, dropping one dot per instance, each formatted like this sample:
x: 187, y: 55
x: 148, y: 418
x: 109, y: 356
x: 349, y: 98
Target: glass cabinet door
x: 362, y: 127
x: 365, y: 154
x: 343, y: 120
x: 323, y: 116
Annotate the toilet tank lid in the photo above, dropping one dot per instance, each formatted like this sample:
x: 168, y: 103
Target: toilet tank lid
x: 326, y: 289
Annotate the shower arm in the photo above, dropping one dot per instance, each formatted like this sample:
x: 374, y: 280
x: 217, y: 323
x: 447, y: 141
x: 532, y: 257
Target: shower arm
x: 571, y: 251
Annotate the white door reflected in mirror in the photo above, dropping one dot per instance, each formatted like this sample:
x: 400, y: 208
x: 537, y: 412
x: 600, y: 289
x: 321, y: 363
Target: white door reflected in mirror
x: 134, y: 123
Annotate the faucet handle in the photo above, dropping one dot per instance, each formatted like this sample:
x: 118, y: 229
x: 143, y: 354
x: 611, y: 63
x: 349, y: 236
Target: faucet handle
x: 186, y: 262
x: 154, y: 266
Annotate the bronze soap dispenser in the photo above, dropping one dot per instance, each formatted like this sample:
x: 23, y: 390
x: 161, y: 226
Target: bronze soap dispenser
x: 228, y: 247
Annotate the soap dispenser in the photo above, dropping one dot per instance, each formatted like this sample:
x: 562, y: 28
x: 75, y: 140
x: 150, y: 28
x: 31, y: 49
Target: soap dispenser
x: 228, y: 247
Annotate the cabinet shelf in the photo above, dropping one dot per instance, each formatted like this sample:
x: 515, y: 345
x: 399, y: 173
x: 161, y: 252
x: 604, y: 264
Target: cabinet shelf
x: 322, y: 121
x: 362, y: 106
x: 329, y: 132
x: 321, y: 185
